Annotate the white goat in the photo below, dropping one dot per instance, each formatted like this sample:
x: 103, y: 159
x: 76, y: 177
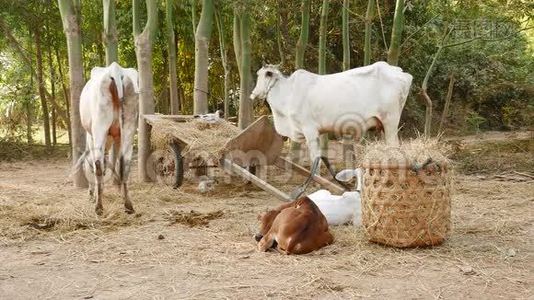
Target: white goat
x: 304, y: 105
x: 109, y: 110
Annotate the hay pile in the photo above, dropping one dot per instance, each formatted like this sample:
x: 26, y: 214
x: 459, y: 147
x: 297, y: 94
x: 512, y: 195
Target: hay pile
x: 193, y: 218
x: 197, y: 135
x: 412, y: 152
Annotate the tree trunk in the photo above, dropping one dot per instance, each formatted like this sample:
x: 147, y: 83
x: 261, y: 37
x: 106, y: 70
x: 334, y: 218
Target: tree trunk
x: 224, y: 61
x: 54, y: 127
x: 53, y: 94
x: 322, y: 37
x: 65, y: 94
x: 110, y: 32
x: 428, y: 112
x: 181, y: 95
x: 52, y: 81
x: 396, y: 34
x: 143, y: 50
x: 423, y: 94
x: 299, y: 62
x: 322, y: 57
x: 245, y: 104
x: 304, y: 34
x: 448, y: 98
x: 279, y: 41
x: 194, y: 14
x: 28, y: 107
x: 347, y: 141
x: 40, y: 83
x: 163, y: 100
x: 71, y: 19
x: 237, y: 40
x: 171, y: 42
x: 369, y: 14
x: 346, y: 35
x: 202, y: 38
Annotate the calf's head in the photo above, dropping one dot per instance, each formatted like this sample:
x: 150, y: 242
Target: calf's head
x: 266, y: 221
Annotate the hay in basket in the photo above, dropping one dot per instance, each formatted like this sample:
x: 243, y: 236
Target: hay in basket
x: 406, y: 199
x: 194, y: 135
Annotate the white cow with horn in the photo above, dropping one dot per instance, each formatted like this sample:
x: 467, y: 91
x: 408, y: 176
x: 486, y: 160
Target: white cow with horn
x: 109, y: 110
x: 305, y: 104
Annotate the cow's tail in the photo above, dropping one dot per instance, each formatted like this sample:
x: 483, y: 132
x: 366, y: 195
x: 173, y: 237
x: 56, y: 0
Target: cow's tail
x: 78, y: 165
x: 118, y: 104
x: 406, y: 83
x: 121, y: 155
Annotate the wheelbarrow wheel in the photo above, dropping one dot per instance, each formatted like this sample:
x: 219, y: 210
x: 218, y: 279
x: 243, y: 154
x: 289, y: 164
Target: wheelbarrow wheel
x: 169, y: 166
x: 179, y: 165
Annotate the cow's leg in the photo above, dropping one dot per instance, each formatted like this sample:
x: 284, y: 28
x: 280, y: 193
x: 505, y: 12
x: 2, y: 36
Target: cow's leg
x: 301, y: 189
x: 125, y: 159
x: 114, y: 154
x: 391, y: 126
x: 91, y: 192
x: 128, y: 207
x: 124, y: 171
x: 99, y: 186
x: 89, y: 166
x: 99, y: 140
x: 312, y: 141
x: 266, y: 242
x: 311, y: 244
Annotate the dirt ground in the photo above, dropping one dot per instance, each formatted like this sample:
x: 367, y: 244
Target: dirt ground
x: 182, y: 245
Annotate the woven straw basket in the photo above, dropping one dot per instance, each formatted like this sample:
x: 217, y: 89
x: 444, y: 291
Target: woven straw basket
x: 405, y: 208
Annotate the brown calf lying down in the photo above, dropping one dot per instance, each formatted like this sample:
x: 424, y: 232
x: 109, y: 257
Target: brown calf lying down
x: 293, y: 228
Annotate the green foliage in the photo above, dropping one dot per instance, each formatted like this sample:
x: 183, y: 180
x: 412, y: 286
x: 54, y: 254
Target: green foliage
x: 16, y: 99
x: 474, y: 120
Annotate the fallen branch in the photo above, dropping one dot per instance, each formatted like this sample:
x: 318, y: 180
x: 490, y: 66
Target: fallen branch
x: 523, y: 174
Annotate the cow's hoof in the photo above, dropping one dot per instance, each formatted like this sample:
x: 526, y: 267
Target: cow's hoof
x: 128, y: 208
x: 258, y: 237
x: 99, y: 210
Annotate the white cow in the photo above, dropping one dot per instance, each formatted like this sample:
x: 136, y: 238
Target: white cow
x: 305, y: 104
x: 109, y: 110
